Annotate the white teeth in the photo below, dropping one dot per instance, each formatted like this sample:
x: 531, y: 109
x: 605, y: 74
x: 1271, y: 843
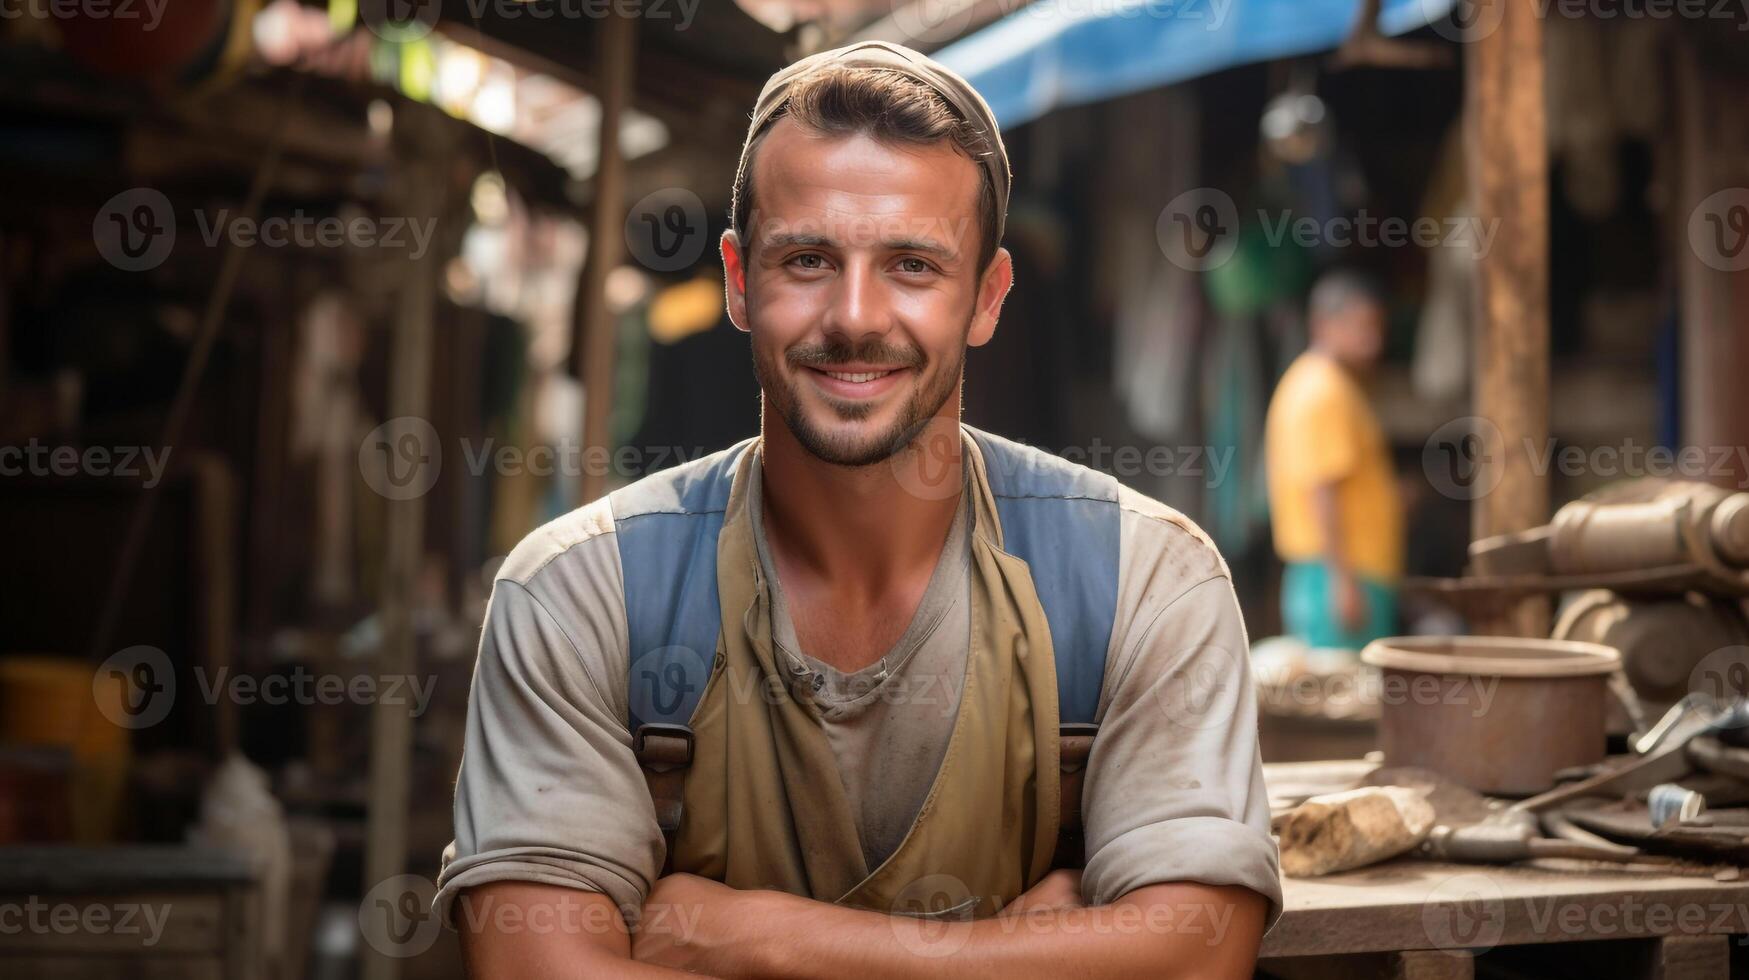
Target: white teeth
x: 858, y: 377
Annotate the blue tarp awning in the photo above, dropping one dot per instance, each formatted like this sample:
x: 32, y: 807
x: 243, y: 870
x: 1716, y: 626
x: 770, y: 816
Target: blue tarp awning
x: 1057, y: 53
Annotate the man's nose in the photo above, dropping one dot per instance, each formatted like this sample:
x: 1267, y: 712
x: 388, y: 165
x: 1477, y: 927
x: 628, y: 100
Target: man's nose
x: 860, y: 306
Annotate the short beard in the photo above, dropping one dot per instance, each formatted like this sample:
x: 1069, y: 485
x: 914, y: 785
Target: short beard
x: 914, y: 415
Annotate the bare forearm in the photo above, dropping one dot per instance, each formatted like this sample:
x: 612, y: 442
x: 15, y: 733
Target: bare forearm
x: 1330, y: 524
x: 1161, y: 931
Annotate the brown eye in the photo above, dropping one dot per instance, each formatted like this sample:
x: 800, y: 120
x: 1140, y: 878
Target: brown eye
x: 809, y: 261
x: 913, y: 264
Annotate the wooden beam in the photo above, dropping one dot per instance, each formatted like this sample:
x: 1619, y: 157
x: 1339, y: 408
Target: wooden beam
x: 594, y: 346
x: 1712, y: 260
x: 1508, y: 170
x: 424, y: 155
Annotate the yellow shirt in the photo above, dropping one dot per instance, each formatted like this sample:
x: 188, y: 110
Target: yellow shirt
x: 1321, y: 430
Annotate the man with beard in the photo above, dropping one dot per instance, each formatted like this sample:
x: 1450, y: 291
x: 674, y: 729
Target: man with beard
x: 874, y: 692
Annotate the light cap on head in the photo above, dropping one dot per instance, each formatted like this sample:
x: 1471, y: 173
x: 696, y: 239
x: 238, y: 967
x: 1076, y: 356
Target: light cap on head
x: 958, y: 93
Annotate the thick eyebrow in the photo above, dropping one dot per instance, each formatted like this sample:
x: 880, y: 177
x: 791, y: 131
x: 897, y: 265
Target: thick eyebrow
x: 781, y: 240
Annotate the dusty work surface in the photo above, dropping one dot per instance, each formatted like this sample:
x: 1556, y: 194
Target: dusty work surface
x: 1408, y: 904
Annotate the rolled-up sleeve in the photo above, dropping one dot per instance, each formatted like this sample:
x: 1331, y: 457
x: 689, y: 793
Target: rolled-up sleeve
x: 1174, y: 788
x: 549, y: 790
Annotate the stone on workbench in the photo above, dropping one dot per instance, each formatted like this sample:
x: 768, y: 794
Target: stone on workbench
x: 1352, y: 829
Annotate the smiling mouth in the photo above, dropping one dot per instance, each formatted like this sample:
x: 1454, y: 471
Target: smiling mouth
x: 856, y: 384
x: 858, y: 377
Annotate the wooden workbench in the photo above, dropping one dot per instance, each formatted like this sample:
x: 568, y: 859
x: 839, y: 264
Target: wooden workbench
x: 1410, y: 917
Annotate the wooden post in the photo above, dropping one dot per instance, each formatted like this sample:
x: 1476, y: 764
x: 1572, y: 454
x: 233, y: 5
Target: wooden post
x: 594, y: 342
x: 1712, y: 198
x: 1508, y: 175
x: 422, y: 159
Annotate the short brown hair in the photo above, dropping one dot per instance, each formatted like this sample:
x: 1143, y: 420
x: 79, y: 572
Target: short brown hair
x: 887, y: 106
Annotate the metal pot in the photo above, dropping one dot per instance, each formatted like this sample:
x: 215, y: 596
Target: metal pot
x: 1500, y: 715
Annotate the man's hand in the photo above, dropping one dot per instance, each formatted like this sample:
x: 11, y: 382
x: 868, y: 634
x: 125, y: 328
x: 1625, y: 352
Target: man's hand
x: 1350, y: 601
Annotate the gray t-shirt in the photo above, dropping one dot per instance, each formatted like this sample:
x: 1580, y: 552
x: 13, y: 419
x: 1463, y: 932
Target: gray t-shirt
x: 549, y: 790
x: 889, y: 723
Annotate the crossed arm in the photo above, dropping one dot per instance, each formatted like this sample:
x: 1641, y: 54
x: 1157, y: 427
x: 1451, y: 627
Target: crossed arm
x: 694, y: 926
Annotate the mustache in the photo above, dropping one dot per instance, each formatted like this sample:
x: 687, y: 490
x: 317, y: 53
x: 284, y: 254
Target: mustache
x: 872, y: 351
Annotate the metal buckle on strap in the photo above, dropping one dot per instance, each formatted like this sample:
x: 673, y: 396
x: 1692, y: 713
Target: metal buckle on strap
x: 1072, y: 729
x: 644, y: 751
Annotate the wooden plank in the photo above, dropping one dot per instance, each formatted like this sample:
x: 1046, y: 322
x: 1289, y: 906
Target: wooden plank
x: 596, y: 327
x: 1509, y: 174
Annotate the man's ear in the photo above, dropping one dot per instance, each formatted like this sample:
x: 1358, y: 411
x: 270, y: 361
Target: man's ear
x: 735, y: 279
x: 992, y: 290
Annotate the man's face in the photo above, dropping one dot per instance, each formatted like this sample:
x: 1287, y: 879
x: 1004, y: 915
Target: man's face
x: 859, y: 286
x: 1356, y: 332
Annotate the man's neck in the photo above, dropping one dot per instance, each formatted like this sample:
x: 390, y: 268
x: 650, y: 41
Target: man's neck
x: 864, y: 529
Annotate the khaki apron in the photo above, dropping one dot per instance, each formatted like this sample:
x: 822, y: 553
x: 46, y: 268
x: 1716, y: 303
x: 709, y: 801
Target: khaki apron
x: 763, y: 806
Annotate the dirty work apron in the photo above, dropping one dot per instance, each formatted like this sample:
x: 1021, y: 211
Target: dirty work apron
x: 744, y: 784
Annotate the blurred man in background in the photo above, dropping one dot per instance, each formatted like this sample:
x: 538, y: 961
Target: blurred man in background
x: 1332, y: 495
